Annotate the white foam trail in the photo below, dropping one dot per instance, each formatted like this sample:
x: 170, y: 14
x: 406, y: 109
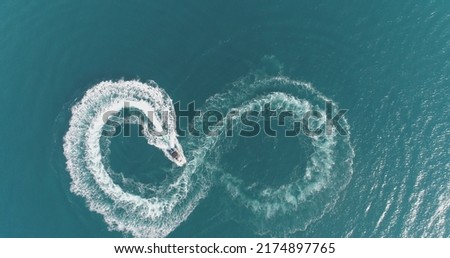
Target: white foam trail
x: 276, y: 210
x: 293, y: 206
x: 142, y: 217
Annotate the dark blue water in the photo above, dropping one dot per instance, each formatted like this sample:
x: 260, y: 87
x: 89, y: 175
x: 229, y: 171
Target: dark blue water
x: 386, y: 62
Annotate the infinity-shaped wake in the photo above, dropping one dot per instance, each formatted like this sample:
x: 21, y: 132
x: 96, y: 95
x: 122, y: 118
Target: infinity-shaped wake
x: 275, y: 210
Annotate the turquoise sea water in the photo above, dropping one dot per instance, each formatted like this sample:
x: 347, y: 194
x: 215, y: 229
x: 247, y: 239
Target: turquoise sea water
x: 386, y: 62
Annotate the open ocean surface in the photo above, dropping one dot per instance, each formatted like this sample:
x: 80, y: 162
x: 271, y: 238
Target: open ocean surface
x: 387, y: 62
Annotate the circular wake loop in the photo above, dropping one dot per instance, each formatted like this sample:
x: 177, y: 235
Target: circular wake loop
x: 292, y: 206
x: 133, y: 214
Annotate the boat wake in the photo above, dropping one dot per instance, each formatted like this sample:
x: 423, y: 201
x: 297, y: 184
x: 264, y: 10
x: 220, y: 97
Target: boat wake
x: 91, y: 174
x: 319, y: 167
x: 315, y: 179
